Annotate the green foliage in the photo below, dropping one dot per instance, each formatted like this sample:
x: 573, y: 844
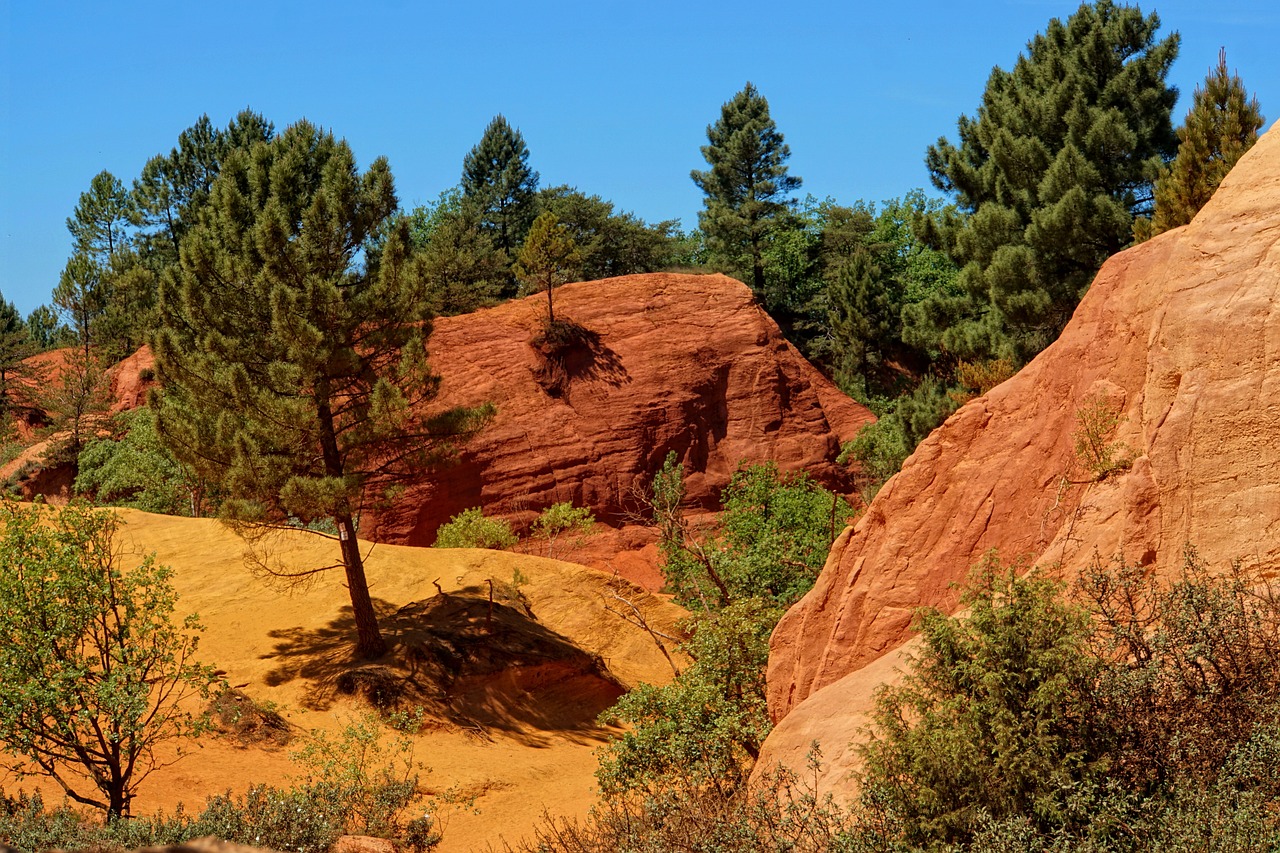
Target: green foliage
x: 497, y: 180
x: 1193, y: 667
x: 747, y: 187
x: 1096, y: 421
x: 562, y: 519
x: 984, y: 723
x: 1222, y: 124
x: 549, y: 257
x: 46, y: 330
x: 95, y: 673
x: 135, y: 469
x: 708, y: 723
x: 370, y: 780
x: 611, y: 244
x: 98, y: 225
x: 775, y: 533
x: 1050, y: 174
x: 15, y: 345
x: 780, y: 813
x: 1140, y: 721
x: 706, y: 726
x: 355, y: 782
x: 301, y: 275
x: 463, y: 268
x: 880, y: 448
x: 471, y: 529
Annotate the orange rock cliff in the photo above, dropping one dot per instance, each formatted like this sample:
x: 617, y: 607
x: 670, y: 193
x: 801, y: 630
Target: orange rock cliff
x: 1180, y: 337
x: 687, y: 363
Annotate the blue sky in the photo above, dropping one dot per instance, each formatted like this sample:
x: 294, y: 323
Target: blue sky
x: 613, y: 97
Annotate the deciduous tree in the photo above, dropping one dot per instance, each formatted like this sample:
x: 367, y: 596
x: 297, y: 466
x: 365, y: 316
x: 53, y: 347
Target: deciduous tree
x: 292, y: 357
x: 95, y: 673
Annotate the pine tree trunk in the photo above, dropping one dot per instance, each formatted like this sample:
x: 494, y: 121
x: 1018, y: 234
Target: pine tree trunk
x: 369, y: 641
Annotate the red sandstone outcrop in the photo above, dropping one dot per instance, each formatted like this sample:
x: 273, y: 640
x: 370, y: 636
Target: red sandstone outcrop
x: 1181, y: 336
x: 131, y: 379
x: 672, y: 362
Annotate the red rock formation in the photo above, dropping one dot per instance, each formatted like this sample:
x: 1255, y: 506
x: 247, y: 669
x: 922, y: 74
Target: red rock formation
x: 1181, y: 335
x: 672, y: 362
x: 131, y: 379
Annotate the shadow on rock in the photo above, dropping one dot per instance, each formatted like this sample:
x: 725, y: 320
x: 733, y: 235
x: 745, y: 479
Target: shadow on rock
x: 568, y: 353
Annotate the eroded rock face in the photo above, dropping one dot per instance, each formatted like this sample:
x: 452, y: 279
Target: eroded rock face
x: 672, y: 362
x: 1179, y: 336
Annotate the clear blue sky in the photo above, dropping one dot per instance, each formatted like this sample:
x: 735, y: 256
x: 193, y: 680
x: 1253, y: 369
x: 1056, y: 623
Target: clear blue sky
x: 612, y: 97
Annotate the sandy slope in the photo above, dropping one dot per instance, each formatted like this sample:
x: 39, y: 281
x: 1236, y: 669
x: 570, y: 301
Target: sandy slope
x: 277, y: 646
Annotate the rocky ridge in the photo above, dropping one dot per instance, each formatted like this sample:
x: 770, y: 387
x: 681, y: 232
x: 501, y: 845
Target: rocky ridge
x: 664, y: 362
x: 1179, y: 340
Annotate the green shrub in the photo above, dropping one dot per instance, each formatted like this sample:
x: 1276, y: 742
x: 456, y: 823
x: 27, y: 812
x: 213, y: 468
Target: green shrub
x: 779, y: 814
x: 561, y: 519
x: 353, y: 783
x: 471, y: 529
x: 1096, y: 421
x: 1146, y: 719
x: 776, y: 531
x: 984, y: 724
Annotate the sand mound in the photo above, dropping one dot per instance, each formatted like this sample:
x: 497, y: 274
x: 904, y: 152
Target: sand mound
x: 529, y: 735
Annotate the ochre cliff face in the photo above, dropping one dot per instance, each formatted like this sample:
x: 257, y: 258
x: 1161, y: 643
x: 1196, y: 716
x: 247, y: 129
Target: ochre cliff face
x: 676, y: 362
x: 1181, y: 336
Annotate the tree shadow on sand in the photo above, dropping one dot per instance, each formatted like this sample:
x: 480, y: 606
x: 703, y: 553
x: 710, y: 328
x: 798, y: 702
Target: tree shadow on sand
x: 464, y: 660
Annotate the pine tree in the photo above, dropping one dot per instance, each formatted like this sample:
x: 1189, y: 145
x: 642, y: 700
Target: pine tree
x: 101, y: 217
x: 1222, y: 124
x: 549, y: 257
x: 496, y: 178
x: 173, y: 186
x: 1049, y: 177
x: 15, y: 346
x: 747, y: 187
x: 862, y: 316
x: 292, y: 357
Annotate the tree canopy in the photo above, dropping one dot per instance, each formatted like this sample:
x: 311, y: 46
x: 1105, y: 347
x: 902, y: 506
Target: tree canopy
x: 747, y: 187
x: 1049, y: 175
x: 292, y: 357
x: 496, y: 178
x: 1222, y: 124
x: 95, y: 673
x: 549, y: 257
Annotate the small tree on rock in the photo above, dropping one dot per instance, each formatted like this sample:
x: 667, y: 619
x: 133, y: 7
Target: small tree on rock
x: 549, y: 257
x: 1221, y: 126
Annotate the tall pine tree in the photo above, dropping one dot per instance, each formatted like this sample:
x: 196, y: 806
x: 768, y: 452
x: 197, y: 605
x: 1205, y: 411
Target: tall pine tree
x: 292, y: 357
x: 1222, y: 124
x: 1049, y: 176
x: 496, y: 178
x: 747, y: 187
